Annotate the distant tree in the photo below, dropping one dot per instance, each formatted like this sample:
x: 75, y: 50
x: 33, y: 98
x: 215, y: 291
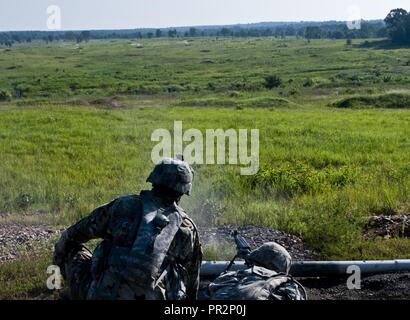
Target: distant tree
x: 312, y: 30
x: 398, y: 25
x: 225, y: 32
x: 365, y: 31
x: 241, y: 33
x: 382, y: 33
x: 290, y: 31
x: 313, y: 33
x: 69, y: 35
x: 337, y: 34
x: 172, y: 33
x: 301, y: 33
x: 85, y: 35
x: 150, y: 35
x: 267, y: 32
x: 16, y: 38
x: 193, y: 32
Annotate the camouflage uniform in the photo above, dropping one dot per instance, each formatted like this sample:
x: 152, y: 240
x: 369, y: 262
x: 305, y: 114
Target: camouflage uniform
x: 150, y: 250
x: 266, y: 279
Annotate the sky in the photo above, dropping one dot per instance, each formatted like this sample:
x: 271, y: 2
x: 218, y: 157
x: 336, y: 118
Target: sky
x: 130, y: 14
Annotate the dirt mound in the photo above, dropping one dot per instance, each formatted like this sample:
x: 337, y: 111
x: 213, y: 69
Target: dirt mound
x: 397, y: 226
x: 104, y: 103
x: 107, y: 103
x: 388, y: 101
x: 260, y: 102
x: 256, y: 236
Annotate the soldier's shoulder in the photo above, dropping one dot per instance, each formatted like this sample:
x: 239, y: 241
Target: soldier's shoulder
x: 187, y: 221
x: 128, y: 199
x: 126, y: 203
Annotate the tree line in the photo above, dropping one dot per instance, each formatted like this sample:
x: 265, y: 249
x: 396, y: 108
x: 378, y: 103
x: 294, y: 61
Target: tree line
x: 396, y: 26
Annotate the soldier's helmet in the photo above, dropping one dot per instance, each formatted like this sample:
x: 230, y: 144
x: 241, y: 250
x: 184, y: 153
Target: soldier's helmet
x: 272, y: 256
x: 173, y: 174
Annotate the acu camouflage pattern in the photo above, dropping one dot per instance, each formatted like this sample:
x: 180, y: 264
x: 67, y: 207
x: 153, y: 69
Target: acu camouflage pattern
x: 266, y: 279
x: 271, y: 256
x: 174, y: 174
x: 255, y: 283
x: 150, y: 250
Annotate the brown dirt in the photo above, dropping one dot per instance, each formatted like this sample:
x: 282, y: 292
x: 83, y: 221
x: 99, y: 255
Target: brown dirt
x: 104, y: 103
x: 388, y: 226
x: 17, y: 239
x: 378, y: 287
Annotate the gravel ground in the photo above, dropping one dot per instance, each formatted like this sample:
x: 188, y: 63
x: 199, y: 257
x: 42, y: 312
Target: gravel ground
x: 15, y: 239
x: 378, y: 287
x: 257, y: 236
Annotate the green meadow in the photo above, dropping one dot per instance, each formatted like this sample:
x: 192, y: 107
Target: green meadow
x: 76, y: 124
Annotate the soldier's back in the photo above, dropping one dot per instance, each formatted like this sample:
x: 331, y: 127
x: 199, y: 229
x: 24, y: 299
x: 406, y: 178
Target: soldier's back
x: 118, y: 271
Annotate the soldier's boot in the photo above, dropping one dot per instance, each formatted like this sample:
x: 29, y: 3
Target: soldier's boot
x: 77, y: 271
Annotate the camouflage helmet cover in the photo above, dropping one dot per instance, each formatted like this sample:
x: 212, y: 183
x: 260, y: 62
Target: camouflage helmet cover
x: 174, y: 174
x: 272, y: 256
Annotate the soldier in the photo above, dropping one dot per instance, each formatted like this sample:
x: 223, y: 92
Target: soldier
x: 267, y: 278
x: 150, y: 248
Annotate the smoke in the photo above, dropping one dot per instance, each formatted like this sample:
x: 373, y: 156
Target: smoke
x: 205, y: 205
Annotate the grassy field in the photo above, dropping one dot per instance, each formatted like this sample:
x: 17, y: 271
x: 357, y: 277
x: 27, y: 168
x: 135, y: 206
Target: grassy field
x: 76, y: 123
x: 204, y: 65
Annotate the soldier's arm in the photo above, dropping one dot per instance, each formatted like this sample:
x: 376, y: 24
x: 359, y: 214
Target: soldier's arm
x: 91, y: 227
x: 193, y: 269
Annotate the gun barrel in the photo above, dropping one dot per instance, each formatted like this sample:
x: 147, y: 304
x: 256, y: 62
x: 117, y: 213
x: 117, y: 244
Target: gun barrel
x: 317, y: 268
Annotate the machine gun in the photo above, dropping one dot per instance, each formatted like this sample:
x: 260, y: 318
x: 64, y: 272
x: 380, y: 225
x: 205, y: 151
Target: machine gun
x: 242, y: 250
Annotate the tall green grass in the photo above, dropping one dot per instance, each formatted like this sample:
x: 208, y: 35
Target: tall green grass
x: 322, y: 171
